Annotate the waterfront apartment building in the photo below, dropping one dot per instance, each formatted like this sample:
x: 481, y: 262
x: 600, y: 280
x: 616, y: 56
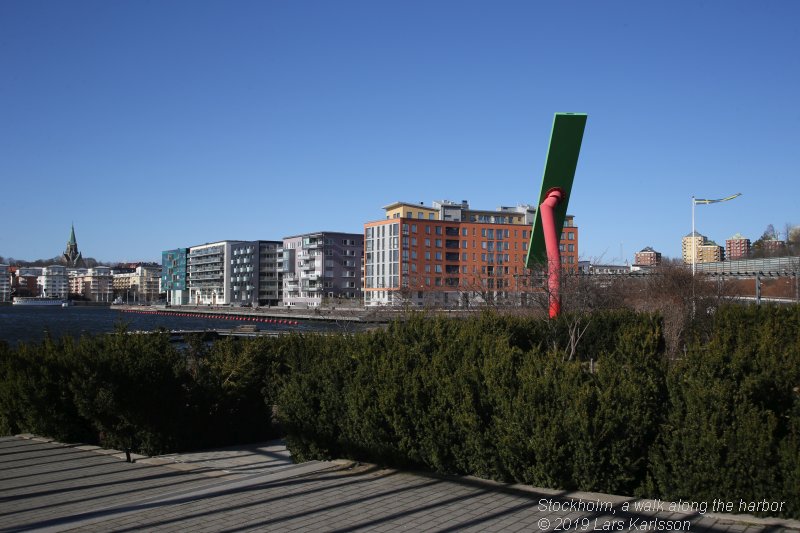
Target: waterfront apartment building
x: 231, y: 272
x: 209, y: 269
x: 93, y: 284
x: 322, y: 265
x: 25, y: 281
x: 138, y: 284
x: 53, y: 281
x: 647, y: 257
x: 243, y: 282
x: 270, y: 272
x: 737, y: 247
x: 174, y: 276
x: 5, y: 283
x: 449, y: 254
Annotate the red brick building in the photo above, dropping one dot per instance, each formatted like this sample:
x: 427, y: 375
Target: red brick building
x: 737, y: 247
x: 451, y: 255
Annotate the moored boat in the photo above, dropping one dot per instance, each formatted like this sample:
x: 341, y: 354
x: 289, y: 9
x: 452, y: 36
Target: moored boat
x: 38, y: 300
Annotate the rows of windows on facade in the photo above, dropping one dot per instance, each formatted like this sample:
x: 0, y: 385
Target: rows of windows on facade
x: 443, y: 254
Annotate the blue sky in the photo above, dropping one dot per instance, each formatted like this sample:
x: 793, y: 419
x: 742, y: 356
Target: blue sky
x: 153, y: 125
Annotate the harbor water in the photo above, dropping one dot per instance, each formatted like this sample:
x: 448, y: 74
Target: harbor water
x: 34, y: 323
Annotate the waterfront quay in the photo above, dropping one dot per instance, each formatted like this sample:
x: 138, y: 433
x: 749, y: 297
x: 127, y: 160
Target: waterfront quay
x: 278, y: 315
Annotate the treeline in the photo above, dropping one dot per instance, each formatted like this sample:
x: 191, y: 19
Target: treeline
x: 585, y: 402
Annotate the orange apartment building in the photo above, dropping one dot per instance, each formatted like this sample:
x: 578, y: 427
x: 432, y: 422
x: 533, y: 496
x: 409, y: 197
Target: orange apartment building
x: 451, y: 255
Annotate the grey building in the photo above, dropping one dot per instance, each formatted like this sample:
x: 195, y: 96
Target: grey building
x: 321, y: 266
x: 209, y: 267
x: 270, y: 272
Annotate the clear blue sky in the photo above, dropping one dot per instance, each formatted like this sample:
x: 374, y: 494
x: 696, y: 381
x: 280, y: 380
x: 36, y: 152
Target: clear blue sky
x: 154, y: 125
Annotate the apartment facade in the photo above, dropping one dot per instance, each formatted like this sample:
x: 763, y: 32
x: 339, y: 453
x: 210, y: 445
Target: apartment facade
x: 93, y: 284
x: 270, y: 272
x: 5, y: 283
x: 139, y: 284
x: 711, y: 252
x: 692, y: 242
x: 25, y: 281
x: 209, y: 269
x: 737, y: 247
x: 450, y: 254
x: 174, y: 276
x: 53, y: 282
x: 647, y: 257
x: 322, y: 265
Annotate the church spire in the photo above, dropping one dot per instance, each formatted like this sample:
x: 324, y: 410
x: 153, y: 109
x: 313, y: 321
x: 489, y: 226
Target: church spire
x: 72, y: 257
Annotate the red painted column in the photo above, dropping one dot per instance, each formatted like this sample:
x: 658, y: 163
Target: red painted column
x: 551, y: 240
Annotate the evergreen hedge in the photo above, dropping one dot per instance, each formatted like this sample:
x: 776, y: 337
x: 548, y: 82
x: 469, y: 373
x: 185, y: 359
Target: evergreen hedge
x: 502, y: 397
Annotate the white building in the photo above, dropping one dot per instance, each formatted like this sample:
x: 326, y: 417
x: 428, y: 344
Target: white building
x: 208, y: 270
x: 53, y: 282
x: 5, y: 284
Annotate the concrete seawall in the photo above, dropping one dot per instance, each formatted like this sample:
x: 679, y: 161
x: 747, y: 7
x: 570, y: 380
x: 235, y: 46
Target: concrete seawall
x: 360, y: 315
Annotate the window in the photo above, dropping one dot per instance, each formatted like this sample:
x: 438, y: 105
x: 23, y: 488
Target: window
x: 571, y: 236
x: 571, y: 247
x: 438, y: 243
x: 438, y: 256
x: 438, y: 230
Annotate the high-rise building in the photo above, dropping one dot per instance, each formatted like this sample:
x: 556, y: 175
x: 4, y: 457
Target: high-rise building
x: 321, y: 265
x: 737, y: 247
x: 687, y: 246
x: 647, y: 257
x: 449, y: 254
